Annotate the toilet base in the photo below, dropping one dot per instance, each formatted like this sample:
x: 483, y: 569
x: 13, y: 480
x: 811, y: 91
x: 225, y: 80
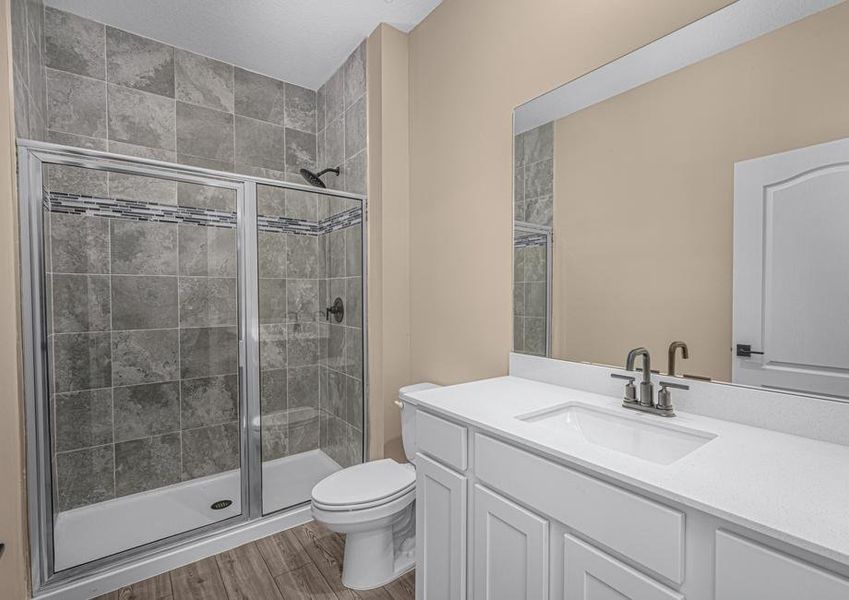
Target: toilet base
x: 356, y: 578
x: 375, y: 557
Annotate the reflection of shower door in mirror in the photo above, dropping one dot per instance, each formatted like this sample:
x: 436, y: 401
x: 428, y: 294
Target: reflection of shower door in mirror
x: 143, y: 398
x: 791, y: 281
x: 531, y: 289
x: 310, y: 254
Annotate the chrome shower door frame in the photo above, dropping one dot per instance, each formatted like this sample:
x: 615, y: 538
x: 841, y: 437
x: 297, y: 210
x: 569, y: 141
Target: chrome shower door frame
x: 32, y: 158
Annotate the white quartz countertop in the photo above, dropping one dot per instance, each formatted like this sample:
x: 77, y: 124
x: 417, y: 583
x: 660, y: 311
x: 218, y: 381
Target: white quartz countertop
x: 787, y: 487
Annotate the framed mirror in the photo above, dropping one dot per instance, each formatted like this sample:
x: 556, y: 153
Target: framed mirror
x: 692, y: 197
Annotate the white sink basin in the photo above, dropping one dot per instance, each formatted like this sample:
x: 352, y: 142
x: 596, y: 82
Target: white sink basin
x: 648, y: 437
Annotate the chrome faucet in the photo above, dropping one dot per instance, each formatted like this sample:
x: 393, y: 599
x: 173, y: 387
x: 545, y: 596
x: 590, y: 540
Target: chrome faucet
x: 646, y: 401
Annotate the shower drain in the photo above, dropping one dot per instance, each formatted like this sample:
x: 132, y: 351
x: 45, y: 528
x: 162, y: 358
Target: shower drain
x: 220, y: 504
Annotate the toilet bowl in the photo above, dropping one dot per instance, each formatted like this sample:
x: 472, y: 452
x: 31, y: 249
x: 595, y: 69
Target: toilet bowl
x: 373, y: 505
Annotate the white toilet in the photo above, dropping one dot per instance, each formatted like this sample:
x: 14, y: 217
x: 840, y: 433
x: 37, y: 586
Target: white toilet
x: 373, y: 504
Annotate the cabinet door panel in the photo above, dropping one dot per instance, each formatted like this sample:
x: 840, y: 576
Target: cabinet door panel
x: 590, y: 574
x: 440, y: 532
x: 511, y: 550
x: 745, y: 569
x: 613, y: 517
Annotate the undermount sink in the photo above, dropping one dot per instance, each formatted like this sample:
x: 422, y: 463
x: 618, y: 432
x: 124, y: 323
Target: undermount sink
x: 636, y: 435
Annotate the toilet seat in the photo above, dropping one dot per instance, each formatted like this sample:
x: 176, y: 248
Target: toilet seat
x: 364, y: 486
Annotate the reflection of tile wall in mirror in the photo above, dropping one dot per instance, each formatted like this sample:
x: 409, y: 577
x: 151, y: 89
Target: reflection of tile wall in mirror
x: 533, y: 189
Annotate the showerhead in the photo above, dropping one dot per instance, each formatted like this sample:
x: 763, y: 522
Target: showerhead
x: 315, y: 178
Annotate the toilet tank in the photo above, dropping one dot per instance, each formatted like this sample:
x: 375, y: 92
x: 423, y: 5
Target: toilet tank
x: 408, y: 416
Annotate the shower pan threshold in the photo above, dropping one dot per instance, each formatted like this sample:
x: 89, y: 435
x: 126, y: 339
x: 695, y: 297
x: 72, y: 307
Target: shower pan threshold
x: 106, y: 528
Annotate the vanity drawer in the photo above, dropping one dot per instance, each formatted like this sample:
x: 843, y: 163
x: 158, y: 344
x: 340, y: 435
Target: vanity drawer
x: 589, y: 573
x: 442, y: 440
x: 642, y: 530
x: 745, y: 569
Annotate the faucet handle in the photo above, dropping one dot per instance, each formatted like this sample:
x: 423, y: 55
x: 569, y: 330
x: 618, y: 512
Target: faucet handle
x: 630, y: 390
x: 664, y: 397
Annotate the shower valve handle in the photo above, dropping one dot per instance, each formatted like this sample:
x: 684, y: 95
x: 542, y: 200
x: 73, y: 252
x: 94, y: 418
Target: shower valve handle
x: 337, y: 310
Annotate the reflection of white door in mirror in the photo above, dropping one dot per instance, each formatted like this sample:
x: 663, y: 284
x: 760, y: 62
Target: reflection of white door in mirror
x: 791, y: 270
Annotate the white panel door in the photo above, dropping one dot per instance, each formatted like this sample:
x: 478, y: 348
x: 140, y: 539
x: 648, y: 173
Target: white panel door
x: 791, y: 270
x: 747, y: 570
x: 510, y: 550
x: 440, y: 532
x: 590, y: 574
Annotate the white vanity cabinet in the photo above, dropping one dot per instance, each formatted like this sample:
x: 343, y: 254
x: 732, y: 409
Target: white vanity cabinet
x: 510, y: 550
x: 745, y: 569
x: 499, y: 521
x: 440, y: 531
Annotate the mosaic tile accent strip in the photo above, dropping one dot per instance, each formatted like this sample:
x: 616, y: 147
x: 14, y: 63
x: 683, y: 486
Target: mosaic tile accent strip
x: 526, y: 241
x: 287, y: 225
x: 115, y: 208
x: 348, y: 218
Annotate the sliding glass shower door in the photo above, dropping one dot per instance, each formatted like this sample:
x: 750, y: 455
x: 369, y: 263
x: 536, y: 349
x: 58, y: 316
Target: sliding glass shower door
x: 194, y: 351
x: 142, y: 330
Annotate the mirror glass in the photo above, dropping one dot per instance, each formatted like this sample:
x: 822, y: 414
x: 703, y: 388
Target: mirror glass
x: 692, y: 197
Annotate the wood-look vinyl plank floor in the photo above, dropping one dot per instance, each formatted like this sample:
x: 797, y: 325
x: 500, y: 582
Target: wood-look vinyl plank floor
x: 155, y: 588
x: 198, y: 581
x: 298, y: 564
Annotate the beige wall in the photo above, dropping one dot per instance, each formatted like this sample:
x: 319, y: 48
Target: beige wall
x: 389, y: 226
x: 646, y: 179
x: 471, y: 63
x: 13, y: 579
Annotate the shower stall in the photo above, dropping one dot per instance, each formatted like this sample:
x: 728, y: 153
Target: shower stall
x: 185, y: 372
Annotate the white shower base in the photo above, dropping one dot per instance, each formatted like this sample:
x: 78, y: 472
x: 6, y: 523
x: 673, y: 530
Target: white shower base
x: 289, y: 481
x: 98, y: 530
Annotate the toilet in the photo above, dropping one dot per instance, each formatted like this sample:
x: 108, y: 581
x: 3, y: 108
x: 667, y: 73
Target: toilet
x: 373, y: 505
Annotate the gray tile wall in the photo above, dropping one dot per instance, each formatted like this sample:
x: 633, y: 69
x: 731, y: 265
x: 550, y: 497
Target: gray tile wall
x: 532, y: 203
x: 109, y: 89
x: 341, y: 124
x: 29, y: 78
x: 143, y: 337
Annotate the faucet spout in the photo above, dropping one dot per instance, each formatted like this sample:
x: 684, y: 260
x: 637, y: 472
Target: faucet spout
x: 632, y: 357
x: 646, y: 388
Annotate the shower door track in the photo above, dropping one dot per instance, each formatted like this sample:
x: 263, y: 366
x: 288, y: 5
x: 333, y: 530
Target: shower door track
x: 32, y: 157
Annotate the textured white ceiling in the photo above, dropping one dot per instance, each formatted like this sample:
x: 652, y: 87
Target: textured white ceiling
x: 299, y: 41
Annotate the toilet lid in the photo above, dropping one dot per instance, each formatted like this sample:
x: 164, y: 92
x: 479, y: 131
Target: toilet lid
x: 365, y: 484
